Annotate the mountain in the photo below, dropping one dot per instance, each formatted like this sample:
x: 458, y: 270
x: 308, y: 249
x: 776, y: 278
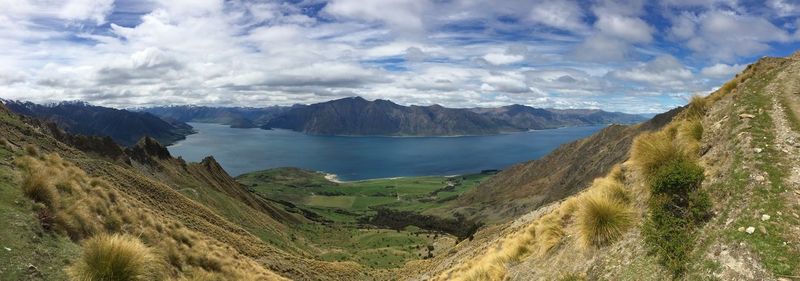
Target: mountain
x: 125, y: 127
x: 529, y: 118
x: 357, y: 116
x: 706, y: 191
x: 236, y: 117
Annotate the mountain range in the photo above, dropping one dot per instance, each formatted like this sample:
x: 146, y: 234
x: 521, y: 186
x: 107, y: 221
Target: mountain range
x: 708, y: 191
x: 125, y: 127
x: 358, y: 116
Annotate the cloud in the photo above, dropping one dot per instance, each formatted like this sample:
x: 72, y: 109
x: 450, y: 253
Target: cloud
x: 630, y: 29
x: 726, y: 35
x: 617, y: 55
x: 721, y: 70
x: 499, y: 58
x: 663, y: 72
x: 565, y: 15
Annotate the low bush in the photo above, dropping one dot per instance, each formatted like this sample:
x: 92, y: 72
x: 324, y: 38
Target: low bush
x: 677, y: 177
x: 114, y: 257
x: 602, y: 219
x: 677, y: 207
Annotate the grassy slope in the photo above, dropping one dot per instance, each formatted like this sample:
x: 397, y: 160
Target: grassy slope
x: 344, y: 203
x: 723, y: 250
x: 23, y: 242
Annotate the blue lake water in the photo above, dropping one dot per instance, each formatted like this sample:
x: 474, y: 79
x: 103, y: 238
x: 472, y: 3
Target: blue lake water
x: 354, y: 158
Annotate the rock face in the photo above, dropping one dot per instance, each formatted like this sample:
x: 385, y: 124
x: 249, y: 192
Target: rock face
x: 357, y: 116
x: 125, y: 127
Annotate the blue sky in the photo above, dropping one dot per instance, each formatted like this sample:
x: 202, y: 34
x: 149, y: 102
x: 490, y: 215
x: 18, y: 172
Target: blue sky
x: 631, y: 56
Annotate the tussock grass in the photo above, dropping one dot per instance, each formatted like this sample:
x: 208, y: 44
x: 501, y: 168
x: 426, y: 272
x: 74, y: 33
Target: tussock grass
x: 94, y: 211
x: 115, y: 257
x: 4, y: 143
x: 697, y: 108
x: 549, y: 233
x: 612, y: 188
x: 602, y: 219
x: 651, y: 150
x: 39, y: 188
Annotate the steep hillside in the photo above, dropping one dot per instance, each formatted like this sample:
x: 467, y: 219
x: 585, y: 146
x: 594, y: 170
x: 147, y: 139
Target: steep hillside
x: 357, y: 116
x: 530, y: 118
x: 236, y: 117
x: 193, y: 218
x: 525, y: 187
x: 125, y: 127
x: 712, y: 195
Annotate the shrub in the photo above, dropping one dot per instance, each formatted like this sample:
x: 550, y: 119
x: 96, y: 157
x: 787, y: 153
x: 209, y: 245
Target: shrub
x: 667, y: 236
x: 677, y: 177
x: 651, y: 150
x: 114, y: 257
x: 602, y: 220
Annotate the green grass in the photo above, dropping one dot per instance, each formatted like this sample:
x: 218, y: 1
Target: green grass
x: 777, y: 258
x: 312, y: 191
x: 24, y: 236
x: 344, y: 202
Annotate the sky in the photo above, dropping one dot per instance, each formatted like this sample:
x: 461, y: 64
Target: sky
x: 629, y: 56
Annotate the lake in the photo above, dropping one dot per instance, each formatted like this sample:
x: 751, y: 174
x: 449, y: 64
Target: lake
x: 355, y: 158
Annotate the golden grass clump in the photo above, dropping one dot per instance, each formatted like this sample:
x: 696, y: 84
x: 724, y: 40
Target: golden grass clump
x: 71, y: 202
x: 4, y: 143
x: 612, y: 188
x: 697, y: 108
x: 651, y: 150
x: 115, y: 257
x: 549, y: 233
x: 601, y: 220
x: 483, y: 272
x: 31, y: 150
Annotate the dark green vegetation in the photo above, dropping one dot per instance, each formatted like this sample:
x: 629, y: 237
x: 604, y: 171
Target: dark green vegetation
x: 380, y: 223
x: 357, y: 116
x: 125, y: 127
x: 348, y: 202
x: 677, y: 208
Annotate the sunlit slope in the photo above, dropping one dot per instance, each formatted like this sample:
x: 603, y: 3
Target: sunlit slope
x: 713, y: 195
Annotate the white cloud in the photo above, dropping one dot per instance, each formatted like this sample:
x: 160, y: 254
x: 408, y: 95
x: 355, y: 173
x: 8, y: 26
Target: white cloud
x: 404, y: 15
x: 500, y: 58
x: 726, y: 36
x: 630, y: 29
x: 664, y: 72
x: 721, y: 70
x: 566, y: 15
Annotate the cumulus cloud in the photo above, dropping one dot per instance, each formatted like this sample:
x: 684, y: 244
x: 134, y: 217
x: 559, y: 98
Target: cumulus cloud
x: 722, y: 70
x: 605, y: 53
x: 727, y: 35
x: 500, y: 58
x: 565, y: 15
x: 664, y: 72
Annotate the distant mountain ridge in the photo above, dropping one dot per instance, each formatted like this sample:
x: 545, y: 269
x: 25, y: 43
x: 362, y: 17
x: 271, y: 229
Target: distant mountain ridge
x: 125, y: 127
x: 357, y: 116
x: 236, y: 117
